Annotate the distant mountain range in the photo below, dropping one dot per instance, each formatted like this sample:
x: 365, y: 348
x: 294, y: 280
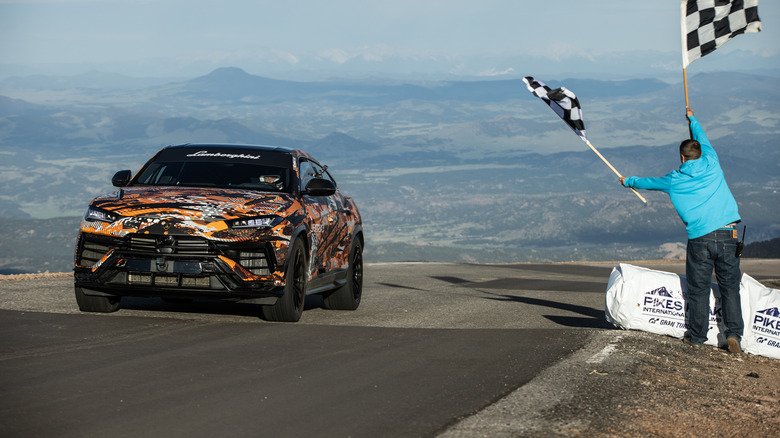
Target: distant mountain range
x: 234, y: 84
x: 456, y: 114
x: 385, y: 62
x: 229, y: 85
x: 457, y: 170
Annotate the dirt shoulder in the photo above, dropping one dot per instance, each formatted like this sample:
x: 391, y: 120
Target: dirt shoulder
x: 21, y: 277
x: 671, y: 389
x: 637, y: 384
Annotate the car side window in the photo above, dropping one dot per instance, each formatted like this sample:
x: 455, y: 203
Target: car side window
x: 309, y: 170
x: 307, y: 173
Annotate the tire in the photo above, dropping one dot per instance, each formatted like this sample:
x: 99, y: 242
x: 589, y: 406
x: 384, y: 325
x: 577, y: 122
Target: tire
x: 347, y: 297
x: 289, y: 307
x: 90, y: 303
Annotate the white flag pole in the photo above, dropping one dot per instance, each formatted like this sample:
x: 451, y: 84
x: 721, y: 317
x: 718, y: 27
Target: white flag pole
x: 613, y: 169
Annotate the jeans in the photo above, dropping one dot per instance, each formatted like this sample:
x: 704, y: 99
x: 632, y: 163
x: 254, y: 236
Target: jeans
x: 714, y: 250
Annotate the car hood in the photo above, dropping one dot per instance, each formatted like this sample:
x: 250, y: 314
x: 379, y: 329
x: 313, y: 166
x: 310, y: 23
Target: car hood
x: 198, y: 211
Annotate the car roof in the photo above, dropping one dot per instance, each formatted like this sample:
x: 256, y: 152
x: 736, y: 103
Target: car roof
x: 228, y: 146
x: 256, y: 154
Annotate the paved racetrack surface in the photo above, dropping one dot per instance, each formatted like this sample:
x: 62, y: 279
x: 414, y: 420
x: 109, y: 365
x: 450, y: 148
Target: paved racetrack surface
x: 431, y: 344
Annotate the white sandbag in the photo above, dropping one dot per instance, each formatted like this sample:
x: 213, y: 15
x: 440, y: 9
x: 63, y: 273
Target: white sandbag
x: 654, y: 301
x: 638, y: 297
x: 762, y: 323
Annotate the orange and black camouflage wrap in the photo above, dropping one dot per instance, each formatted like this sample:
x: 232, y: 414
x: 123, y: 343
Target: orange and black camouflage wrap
x: 180, y: 214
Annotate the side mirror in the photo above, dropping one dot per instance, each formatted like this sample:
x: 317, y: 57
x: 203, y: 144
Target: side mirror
x: 121, y: 178
x: 320, y: 187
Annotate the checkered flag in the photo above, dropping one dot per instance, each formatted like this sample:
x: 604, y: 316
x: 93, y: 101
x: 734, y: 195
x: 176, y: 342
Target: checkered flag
x: 566, y: 105
x: 562, y: 101
x: 708, y: 24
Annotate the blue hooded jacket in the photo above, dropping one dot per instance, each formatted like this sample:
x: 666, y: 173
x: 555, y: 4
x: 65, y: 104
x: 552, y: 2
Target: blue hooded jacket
x: 697, y: 189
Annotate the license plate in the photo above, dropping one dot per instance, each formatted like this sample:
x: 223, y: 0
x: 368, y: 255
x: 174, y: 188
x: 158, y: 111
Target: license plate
x: 164, y: 265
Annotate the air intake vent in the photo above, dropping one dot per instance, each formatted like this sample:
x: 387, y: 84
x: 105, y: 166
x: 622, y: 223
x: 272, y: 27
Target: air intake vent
x: 92, y: 250
x: 254, y: 262
x: 167, y: 244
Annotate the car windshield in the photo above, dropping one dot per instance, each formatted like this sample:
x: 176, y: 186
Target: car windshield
x: 226, y: 175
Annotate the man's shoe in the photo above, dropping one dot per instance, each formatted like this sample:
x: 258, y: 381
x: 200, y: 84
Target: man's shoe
x: 687, y: 340
x: 733, y: 345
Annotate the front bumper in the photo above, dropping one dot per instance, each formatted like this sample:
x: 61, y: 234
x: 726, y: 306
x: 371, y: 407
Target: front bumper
x: 179, y: 266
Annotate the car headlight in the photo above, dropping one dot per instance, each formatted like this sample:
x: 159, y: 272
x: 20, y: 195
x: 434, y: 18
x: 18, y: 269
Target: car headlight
x: 257, y: 222
x: 96, y: 214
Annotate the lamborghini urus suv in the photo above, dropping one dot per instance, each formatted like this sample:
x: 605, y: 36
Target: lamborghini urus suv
x: 257, y: 224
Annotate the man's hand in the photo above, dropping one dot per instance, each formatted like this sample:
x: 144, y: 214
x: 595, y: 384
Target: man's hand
x: 623, y: 180
x: 688, y: 112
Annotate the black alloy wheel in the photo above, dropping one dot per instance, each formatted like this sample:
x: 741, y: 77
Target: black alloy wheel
x: 289, y: 307
x: 348, y: 296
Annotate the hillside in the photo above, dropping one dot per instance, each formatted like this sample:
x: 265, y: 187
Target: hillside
x: 476, y: 171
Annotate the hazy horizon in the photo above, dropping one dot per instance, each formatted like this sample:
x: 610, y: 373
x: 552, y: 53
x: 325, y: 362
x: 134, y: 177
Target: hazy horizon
x: 310, y: 40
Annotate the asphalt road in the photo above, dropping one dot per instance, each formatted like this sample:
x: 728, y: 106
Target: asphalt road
x: 430, y: 344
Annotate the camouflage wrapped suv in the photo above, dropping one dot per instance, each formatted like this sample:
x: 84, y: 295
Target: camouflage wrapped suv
x: 257, y: 224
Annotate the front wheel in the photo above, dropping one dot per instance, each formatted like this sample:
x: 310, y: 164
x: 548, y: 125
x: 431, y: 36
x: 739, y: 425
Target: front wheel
x: 91, y: 303
x: 289, y: 307
x: 347, y: 297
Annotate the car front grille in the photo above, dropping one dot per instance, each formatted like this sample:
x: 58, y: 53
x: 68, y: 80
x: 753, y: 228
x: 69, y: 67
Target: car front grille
x: 254, y: 258
x: 182, y: 245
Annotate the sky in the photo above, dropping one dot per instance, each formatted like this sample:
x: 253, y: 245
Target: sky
x: 166, y: 37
